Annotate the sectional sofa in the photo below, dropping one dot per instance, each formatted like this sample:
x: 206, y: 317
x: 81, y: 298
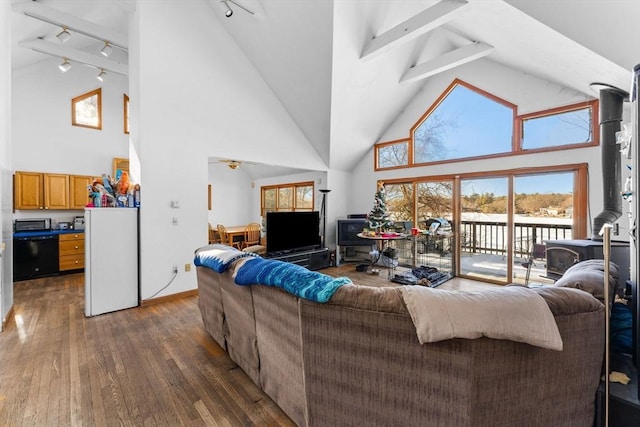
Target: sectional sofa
x: 356, y: 359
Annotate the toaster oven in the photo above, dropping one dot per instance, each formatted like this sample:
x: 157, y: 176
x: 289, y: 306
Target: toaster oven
x: 32, y: 224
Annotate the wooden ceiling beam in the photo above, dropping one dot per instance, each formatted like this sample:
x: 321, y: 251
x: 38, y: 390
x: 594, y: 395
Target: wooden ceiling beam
x: 427, y: 20
x: 447, y: 61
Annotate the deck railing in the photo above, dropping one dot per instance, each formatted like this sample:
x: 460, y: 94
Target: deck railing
x: 489, y: 237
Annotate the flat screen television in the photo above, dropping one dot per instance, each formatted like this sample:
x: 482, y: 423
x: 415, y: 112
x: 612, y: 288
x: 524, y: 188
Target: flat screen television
x: 292, y: 231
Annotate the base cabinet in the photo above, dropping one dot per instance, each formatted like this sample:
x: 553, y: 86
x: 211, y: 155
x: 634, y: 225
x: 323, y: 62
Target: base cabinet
x: 71, y: 251
x: 313, y: 260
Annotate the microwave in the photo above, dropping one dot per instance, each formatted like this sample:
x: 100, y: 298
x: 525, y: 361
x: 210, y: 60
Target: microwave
x: 32, y: 224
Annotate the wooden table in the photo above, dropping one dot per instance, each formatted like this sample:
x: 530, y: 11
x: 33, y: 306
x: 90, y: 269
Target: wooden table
x: 233, y: 231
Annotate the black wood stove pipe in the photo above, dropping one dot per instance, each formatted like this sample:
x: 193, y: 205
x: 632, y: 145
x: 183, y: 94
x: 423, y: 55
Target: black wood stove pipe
x: 611, y: 100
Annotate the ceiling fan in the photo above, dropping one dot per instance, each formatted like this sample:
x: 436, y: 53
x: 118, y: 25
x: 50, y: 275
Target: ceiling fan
x: 233, y: 164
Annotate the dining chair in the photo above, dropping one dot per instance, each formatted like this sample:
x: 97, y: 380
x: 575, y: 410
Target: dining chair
x: 224, y: 237
x: 214, y: 236
x: 251, y: 235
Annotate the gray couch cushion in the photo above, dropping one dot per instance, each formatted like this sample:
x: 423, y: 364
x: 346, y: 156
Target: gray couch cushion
x: 588, y: 276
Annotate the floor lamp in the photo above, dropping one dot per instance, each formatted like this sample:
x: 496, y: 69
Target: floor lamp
x: 323, y: 212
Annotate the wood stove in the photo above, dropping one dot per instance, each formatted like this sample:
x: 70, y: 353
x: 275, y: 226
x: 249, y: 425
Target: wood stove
x: 562, y: 254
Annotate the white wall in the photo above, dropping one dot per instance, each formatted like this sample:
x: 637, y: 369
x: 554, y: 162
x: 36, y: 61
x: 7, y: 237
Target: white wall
x: 528, y: 92
x: 231, y: 196
x: 6, y: 189
x: 44, y: 139
x: 198, y: 96
x: 338, y: 202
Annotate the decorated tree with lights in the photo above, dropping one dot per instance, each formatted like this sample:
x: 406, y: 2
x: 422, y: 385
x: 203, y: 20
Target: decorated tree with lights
x: 378, y: 217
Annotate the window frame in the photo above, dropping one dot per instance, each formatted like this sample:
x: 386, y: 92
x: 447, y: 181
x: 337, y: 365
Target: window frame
x: 595, y: 139
x: 294, y: 186
x: 80, y: 98
x: 518, y: 122
x: 125, y: 108
x: 580, y: 195
x: 436, y: 104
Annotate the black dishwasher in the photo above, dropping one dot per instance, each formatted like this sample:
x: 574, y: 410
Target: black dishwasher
x: 35, y: 256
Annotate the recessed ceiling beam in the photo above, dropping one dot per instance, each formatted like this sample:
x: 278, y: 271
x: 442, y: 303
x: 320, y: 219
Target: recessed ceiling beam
x: 73, y: 23
x: 75, y: 55
x: 427, y: 20
x: 447, y: 61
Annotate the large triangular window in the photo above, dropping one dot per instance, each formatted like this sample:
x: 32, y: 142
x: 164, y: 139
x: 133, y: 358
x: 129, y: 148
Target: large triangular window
x: 464, y: 122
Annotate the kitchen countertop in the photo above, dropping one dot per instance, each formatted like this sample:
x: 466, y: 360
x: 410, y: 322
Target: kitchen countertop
x: 45, y: 233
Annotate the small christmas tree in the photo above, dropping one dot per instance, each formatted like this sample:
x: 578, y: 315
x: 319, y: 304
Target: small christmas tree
x: 378, y: 217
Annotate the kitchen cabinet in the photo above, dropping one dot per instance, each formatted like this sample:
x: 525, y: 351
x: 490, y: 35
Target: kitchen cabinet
x: 28, y: 190
x: 56, y: 191
x: 35, y: 190
x: 71, y: 251
x: 78, y: 193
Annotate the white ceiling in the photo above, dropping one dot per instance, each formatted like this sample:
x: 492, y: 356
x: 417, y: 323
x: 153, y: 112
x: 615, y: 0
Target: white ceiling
x: 309, y: 52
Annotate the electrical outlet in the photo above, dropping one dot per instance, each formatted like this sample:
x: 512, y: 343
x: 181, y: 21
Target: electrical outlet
x: 187, y: 267
x: 175, y: 269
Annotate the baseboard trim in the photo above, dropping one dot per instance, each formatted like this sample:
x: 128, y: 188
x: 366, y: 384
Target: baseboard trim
x: 7, y: 320
x: 172, y: 297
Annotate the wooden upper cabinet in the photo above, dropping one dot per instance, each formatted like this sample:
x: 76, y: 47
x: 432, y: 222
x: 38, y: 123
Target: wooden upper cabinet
x: 78, y: 192
x: 28, y: 190
x: 36, y: 190
x: 56, y: 191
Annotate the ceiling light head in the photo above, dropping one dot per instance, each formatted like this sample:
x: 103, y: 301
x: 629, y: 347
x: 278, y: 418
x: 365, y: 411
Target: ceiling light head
x: 64, y: 35
x: 101, y: 75
x: 227, y: 12
x: 233, y: 164
x: 106, y: 50
x: 65, y: 66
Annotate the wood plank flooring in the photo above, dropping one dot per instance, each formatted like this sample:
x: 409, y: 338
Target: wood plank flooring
x: 152, y: 366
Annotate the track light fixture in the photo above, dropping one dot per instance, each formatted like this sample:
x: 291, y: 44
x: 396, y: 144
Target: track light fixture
x: 227, y: 9
x: 106, y: 50
x: 101, y: 75
x: 65, y: 66
x: 228, y: 12
x: 64, y: 35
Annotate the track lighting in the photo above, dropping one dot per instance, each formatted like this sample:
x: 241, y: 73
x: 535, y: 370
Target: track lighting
x: 101, y: 75
x: 227, y: 9
x: 65, y: 66
x: 64, y: 35
x: 228, y: 12
x: 106, y: 50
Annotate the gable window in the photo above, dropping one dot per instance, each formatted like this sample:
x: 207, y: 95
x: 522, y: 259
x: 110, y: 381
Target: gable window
x: 295, y: 197
x: 463, y: 123
x: 561, y: 126
x: 86, y: 110
x: 466, y: 122
x: 390, y: 154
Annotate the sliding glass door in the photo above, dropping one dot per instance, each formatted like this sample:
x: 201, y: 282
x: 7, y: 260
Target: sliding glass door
x: 543, y: 210
x: 483, y: 228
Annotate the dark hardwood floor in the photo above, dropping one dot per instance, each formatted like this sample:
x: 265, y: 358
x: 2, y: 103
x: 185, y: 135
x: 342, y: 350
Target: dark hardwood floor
x: 153, y: 366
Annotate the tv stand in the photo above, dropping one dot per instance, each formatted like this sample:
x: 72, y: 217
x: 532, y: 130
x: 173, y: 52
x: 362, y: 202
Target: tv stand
x: 314, y: 259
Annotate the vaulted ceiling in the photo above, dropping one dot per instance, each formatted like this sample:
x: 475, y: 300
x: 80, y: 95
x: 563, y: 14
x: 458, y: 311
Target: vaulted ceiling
x: 345, y: 70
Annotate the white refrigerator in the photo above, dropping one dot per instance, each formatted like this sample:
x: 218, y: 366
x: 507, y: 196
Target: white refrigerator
x: 111, y: 260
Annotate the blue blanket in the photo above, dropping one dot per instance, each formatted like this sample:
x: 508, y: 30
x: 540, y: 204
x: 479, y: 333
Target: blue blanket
x: 219, y: 257
x: 293, y: 278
